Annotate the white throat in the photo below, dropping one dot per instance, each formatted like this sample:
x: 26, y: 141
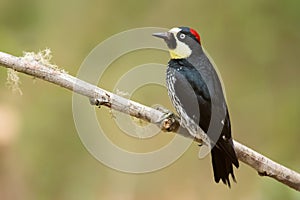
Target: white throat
x: 182, y: 50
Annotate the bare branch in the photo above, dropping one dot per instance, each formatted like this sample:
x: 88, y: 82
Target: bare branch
x: 167, y: 122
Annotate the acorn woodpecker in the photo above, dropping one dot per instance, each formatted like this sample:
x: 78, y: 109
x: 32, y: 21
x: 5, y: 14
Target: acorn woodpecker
x: 196, y: 92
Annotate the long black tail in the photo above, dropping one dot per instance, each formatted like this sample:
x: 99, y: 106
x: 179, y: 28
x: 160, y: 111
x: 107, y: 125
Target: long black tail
x: 223, y: 158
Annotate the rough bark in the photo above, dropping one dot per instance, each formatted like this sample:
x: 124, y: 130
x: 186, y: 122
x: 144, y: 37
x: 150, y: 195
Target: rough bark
x: 167, y: 122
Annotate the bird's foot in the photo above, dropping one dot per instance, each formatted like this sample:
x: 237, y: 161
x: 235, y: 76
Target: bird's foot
x: 169, y: 122
x: 99, y: 102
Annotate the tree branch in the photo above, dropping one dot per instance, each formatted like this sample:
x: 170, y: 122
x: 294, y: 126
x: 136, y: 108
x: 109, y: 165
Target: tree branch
x: 167, y: 122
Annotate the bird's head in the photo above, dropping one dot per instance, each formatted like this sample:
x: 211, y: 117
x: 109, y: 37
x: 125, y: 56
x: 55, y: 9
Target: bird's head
x: 181, y: 41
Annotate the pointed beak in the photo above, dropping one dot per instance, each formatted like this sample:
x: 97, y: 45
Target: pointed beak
x: 165, y: 35
x: 168, y: 38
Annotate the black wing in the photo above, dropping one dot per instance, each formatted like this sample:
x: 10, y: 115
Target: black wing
x: 191, y: 90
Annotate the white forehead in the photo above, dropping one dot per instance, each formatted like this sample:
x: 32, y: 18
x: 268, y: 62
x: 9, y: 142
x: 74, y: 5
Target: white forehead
x: 175, y: 30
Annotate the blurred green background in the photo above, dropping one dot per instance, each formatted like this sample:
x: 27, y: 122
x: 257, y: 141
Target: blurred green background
x: 255, y: 44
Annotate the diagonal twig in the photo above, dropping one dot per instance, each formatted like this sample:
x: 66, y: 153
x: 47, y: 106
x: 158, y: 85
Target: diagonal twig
x: 263, y: 165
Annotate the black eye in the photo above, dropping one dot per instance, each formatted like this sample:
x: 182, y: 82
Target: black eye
x: 182, y: 36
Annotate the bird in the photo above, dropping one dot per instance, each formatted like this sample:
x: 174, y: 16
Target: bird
x: 195, y: 91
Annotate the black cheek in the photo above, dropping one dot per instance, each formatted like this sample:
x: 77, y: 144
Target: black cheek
x: 171, y: 42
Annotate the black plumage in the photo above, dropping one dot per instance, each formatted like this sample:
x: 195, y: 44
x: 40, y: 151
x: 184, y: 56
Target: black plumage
x: 196, y: 92
x: 186, y: 83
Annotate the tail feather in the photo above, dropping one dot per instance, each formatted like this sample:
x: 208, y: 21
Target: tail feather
x: 223, y: 159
